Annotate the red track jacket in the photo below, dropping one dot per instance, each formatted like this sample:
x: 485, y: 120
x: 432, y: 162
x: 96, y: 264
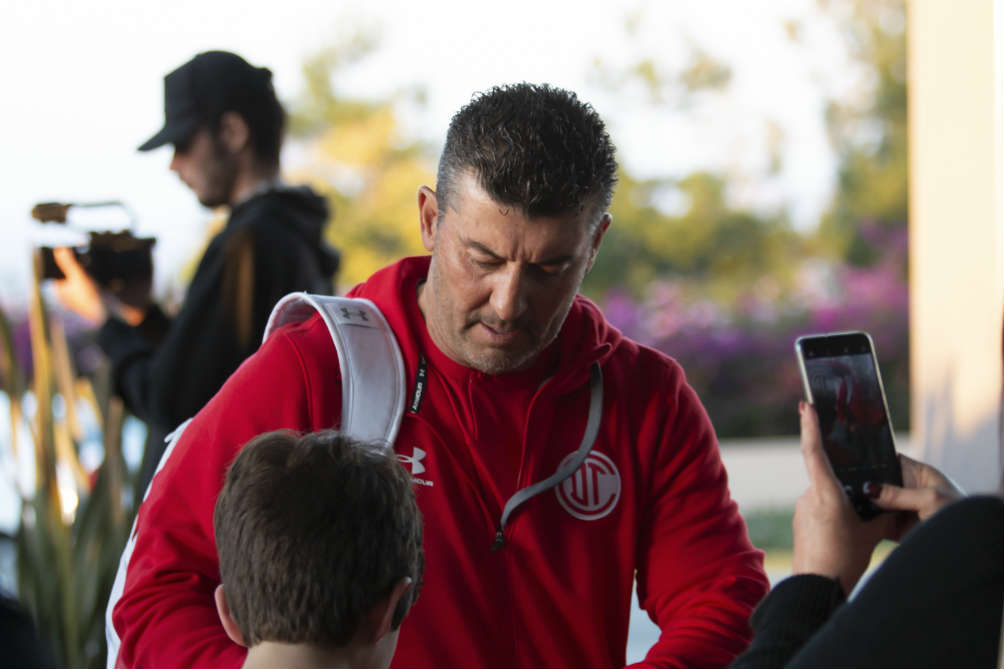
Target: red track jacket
x: 651, y: 502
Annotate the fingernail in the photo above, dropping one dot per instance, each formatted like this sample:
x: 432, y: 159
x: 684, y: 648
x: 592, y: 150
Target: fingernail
x: 801, y: 406
x: 872, y: 490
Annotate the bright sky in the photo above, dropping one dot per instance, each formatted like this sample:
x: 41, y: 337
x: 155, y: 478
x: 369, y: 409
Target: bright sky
x: 84, y: 88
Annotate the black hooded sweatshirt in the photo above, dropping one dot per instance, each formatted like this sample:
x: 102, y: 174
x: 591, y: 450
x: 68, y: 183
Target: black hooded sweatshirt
x: 167, y: 369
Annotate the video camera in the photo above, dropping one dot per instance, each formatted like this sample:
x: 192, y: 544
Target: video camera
x: 118, y: 261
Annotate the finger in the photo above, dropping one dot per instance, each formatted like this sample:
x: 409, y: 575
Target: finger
x: 918, y: 474
x: 66, y: 261
x: 895, y: 498
x: 924, y: 501
x: 816, y: 463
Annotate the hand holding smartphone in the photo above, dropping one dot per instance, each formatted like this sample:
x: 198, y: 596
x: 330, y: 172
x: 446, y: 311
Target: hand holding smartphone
x: 842, y: 381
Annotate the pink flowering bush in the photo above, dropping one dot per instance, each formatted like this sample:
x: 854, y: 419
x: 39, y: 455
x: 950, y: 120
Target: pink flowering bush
x: 740, y: 356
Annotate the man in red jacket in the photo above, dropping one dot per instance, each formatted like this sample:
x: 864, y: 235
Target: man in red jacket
x: 522, y: 382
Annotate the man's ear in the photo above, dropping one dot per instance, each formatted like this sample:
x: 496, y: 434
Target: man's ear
x: 601, y: 230
x: 381, y: 618
x: 428, y: 216
x: 229, y: 624
x: 234, y: 131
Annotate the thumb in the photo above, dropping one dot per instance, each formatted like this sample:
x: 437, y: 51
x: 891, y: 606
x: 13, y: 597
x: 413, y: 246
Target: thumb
x: 817, y: 465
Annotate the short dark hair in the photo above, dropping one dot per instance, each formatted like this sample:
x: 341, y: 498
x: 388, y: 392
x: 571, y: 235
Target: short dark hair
x: 535, y: 147
x: 312, y: 531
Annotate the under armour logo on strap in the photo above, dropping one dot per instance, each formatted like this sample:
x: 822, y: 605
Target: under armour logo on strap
x: 350, y: 315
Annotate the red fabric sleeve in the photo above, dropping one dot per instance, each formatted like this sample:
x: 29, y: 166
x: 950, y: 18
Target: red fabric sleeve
x: 699, y: 577
x: 166, y: 615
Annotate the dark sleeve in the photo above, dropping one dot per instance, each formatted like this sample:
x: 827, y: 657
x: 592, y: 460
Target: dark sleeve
x: 166, y: 383
x: 121, y: 342
x: 936, y: 601
x: 788, y: 617
x: 19, y: 639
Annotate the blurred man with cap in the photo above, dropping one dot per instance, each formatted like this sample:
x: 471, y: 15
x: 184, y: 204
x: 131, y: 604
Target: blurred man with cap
x: 226, y: 126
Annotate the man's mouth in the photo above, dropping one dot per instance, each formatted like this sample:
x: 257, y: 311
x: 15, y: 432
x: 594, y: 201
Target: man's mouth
x: 499, y: 335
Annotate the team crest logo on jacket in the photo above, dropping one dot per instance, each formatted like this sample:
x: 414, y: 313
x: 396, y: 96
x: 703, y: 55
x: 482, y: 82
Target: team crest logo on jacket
x: 593, y: 490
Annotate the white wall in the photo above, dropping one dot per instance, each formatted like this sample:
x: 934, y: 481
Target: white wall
x: 956, y: 236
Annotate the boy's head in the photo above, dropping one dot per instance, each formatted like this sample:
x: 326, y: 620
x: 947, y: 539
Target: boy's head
x: 319, y: 540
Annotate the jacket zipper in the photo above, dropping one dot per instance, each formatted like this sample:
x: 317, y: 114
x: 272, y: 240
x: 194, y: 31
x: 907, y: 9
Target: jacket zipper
x: 593, y: 420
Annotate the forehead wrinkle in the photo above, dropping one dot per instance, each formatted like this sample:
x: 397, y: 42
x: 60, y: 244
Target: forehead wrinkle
x: 544, y: 257
x: 471, y: 208
x: 478, y: 246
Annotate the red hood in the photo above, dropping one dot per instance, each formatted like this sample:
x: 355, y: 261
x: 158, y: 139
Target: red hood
x: 585, y: 337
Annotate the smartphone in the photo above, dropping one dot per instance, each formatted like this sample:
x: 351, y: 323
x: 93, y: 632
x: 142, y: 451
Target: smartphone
x: 843, y: 383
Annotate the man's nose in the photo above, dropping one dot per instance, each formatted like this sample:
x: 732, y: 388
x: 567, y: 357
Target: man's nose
x: 176, y: 159
x: 509, y: 294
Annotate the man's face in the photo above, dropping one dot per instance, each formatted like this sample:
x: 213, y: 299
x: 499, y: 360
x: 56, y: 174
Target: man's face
x: 204, y: 165
x: 500, y: 284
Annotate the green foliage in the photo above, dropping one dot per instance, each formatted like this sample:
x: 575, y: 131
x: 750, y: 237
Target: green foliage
x: 66, y: 570
x: 869, y: 133
x: 11, y: 374
x: 320, y: 106
x: 12, y: 380
x: 711, y: 245
x: 362, y: 163
x: 703, y: 72
x: 67, y: 554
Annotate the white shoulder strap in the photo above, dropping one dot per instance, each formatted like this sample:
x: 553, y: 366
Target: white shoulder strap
x: 373, y: 390
x: 373, y: 382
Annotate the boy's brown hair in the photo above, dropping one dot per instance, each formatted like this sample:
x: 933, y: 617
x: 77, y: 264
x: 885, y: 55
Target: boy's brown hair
x: 312, y: 532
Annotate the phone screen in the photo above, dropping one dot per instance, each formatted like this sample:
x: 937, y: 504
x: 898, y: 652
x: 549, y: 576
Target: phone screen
x: 844, y: 385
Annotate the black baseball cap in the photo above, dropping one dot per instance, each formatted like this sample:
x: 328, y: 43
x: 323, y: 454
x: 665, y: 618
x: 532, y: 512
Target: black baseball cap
x: 203, y: 88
